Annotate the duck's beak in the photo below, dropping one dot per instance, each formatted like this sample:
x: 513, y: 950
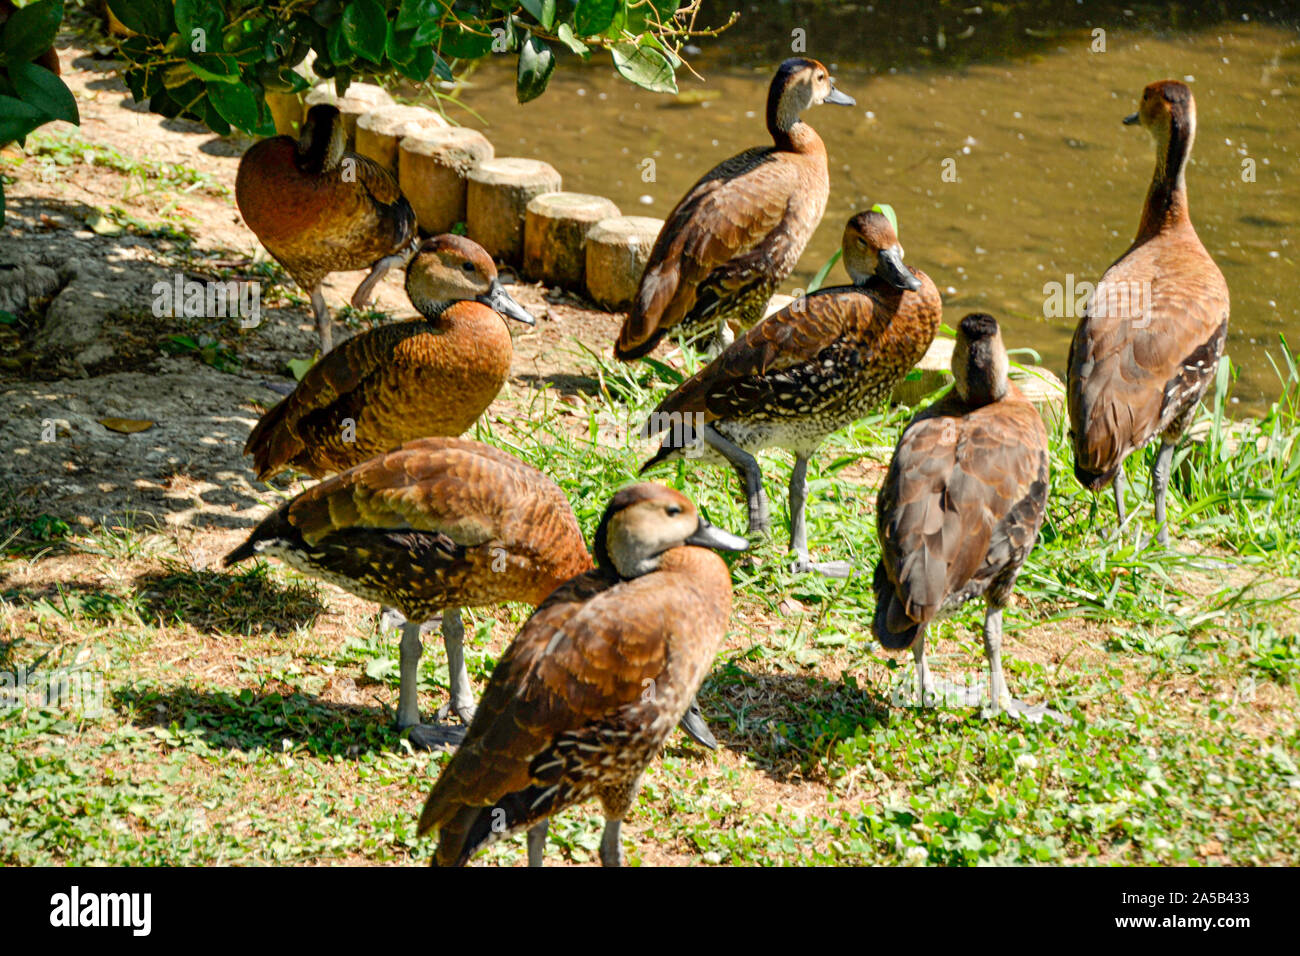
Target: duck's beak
x: 889, y: 266
x: 499, y: 299
x: 707, y: 536
x: 839, y: 98
x: 1132, y: 119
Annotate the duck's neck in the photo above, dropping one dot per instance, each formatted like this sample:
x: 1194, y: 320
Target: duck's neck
x: 789, y: 131
x: 1166, y: 204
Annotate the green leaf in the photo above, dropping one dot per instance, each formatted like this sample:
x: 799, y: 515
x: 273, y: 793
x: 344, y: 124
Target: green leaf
x: 593, y: 17
x: 824, y: 271
x: 199, y: 15
x: 543, y: 11
x: 415, y: 13
x: 462, y: 44
x: 337, y: 46
x: 644, y: 66
x: 17, y: 119
x: 565, y: 33
x: 300, y: 367
x: 417, y: 68
x: 30, y: 30
x: 536, y: 64
x: 42, y: 89
x: 153, y: 18
x: 365, y: 26
x: 215, y: 67
x: 237, y: 104
x: 887, y: 211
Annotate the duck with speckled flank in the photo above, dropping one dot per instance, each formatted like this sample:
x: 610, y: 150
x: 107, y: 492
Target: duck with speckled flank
x: 586, y: 694
x: 821, y: 363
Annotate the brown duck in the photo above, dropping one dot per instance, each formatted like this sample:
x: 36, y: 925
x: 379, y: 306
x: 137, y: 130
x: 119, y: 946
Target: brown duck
x: 586, y: 694
x: 318, y: 208
x: 417, y: 379
x: 821, y: 363
x: 740, y: 230
x: 961, y: 506
x: 1148, y: 347
x: 441, y: 524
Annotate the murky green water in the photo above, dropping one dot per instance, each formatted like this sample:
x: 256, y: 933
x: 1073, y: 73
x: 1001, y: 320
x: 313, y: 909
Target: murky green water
x: 1048, y: 182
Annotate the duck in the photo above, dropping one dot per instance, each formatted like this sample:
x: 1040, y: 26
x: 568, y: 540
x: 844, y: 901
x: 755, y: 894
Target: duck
x: 438, y: 525
x: 740, y: 230
x: 584, y: 697
x: 821, y: 363
x: 960, y: 508
x: 427, y: 377
x: 318, y: 208
x: 1149, y: 343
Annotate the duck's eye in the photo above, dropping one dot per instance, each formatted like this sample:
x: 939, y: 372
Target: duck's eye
x: 468, y: 267
x: 821, y: 77
x: 673, y: 510
x: 862, y: 242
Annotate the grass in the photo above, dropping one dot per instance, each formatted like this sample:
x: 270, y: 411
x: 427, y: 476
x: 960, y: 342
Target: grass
x: 247, y: 716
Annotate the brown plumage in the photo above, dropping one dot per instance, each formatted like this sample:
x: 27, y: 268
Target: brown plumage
x: 740, y: 230
x: 961, y: 504
x: 1147, y: 349
x: 441, y: 524
x: 585, y: 695
x: 320, y: 209
x: 417, y: 379
x: 816, y: 366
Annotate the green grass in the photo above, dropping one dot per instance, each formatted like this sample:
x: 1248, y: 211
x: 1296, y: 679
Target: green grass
x: 248, y: 715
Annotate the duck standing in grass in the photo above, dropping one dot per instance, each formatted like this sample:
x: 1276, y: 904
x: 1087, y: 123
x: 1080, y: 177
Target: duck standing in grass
x: 318, y: 208
x: 821, y: 363
x: 426, y: 377
x: 586, y: 694
x: 961, y: 506
x: 441, y: 524
x: 740, y: 230
x: 1148, y: 347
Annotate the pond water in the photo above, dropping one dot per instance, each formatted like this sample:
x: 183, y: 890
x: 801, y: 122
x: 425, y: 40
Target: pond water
x: 1043, y: 182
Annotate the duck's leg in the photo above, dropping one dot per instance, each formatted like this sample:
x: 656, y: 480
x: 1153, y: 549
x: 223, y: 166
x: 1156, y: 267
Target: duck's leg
x: 746, y: 466
x: 799, y: 529
x: 377, y: 272
x: 323, y: 327
x: 537, y: 843
x: 426, y: 736
x: 922, y: 672
x: 1121, y: 518
x: 1001, y: 698
x: 695, y: 726
x: 1160, y: 482
x: 611, y: 844
x: 462, y: 702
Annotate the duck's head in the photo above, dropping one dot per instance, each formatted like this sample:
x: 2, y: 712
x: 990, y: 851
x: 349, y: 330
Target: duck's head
x: 1168, y: 112
x: 800, y: 83
x: 323, y: 138
x: 643, y: 521
x: 871, y: 248
x: 447, y: 269
x: 979, y: 360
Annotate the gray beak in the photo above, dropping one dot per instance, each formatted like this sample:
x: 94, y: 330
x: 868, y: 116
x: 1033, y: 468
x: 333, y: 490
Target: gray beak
x: 889, y: 266
x: 707, y: 536
x: 1132, y: 119
x: 839, y: 99
x: 499, y: 299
